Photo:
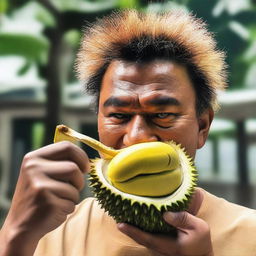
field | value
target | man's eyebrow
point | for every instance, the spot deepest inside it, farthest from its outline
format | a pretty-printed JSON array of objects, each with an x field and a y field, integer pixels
[
  {"x": 158, "y": 101},
  {"x": 116, "y": 102},
  {"x": 164, "y": 101}
]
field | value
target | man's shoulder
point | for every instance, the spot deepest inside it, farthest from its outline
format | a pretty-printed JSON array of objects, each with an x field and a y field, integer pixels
[
  {"x": 216, "y": 208},
  {"x": 231, "y": 225}
]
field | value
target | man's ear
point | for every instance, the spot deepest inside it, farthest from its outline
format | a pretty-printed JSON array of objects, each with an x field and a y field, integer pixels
[{"x": 204, "y": 123}]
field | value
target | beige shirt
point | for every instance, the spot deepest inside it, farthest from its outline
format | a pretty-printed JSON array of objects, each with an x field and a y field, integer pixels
[{"x": 91, "y": 232}]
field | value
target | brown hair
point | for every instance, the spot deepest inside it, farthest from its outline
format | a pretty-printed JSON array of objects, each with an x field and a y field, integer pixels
[{"x": 141, "y": 37}]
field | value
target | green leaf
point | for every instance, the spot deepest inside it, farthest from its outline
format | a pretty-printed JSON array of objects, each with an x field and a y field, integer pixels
[
  {"x": 30, "y": 47},
  {"x": 72, "y": 37},
  {"x": 3, "y": 6},
  {"x": 44, "y": 16},
  {"x": 128, "y": 4}
]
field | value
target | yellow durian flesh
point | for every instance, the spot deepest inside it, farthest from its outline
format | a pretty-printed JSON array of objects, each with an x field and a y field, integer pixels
[
  {"x": 146, "y": 169},
  {"x": 158, "y": 185}
]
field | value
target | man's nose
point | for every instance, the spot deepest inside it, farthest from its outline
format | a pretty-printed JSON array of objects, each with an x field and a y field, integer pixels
[{"x": 138, "y": 130}]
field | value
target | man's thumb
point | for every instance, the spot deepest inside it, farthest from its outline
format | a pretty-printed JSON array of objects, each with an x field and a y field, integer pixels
[{"x": 182, "y": 220}]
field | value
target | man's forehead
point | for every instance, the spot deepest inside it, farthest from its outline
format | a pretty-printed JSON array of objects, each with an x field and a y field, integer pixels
[
  {"x": 157, "y": 75},
  {"x": 156, "y": 83}
]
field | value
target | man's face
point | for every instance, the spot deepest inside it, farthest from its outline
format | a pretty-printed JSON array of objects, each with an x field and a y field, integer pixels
[{"x": 150, "y": 102}]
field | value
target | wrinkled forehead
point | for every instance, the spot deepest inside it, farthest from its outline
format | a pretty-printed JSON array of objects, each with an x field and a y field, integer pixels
[
  {"x": 145, "y": 72},
  {"x": 159, "y": 81}
]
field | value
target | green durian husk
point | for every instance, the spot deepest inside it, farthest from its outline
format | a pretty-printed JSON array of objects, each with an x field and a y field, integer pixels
[{"x": 143, "y": 212}]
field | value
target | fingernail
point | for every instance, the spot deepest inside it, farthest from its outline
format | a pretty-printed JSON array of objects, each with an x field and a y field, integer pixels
[{"x": 121, "y": 226}]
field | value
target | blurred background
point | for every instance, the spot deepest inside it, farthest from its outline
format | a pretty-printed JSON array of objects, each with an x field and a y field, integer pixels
[{"x": 39, "y": 89}]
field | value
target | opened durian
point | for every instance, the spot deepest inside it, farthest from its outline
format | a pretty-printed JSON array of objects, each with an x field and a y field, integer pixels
[{"x": 138, "y": 183}]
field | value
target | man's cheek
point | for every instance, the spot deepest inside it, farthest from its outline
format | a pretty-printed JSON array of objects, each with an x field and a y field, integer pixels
[{"x": 110, "y": 135}]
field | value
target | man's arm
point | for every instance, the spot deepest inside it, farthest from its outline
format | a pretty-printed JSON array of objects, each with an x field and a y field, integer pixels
[
  {"x": 193, "y": 238},
  {"x": 47, "y": 190}
]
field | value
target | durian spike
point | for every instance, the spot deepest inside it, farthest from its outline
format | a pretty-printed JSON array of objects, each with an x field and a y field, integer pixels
[{"x": 62, "y": 132}]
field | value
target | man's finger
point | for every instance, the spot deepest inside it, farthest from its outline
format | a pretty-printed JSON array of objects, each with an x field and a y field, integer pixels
[
  {"x": 155, "y": 242},
  {"x": 69, "y": 172},
  {"x": 65, "y": 171},
  {"x": 196, "y": 201},
  {"x": 63, "y": 151},
  {"x": 60, "y": 189},
  {"x": 181, "y": 220},
  {"x": 184, "y": 221}
]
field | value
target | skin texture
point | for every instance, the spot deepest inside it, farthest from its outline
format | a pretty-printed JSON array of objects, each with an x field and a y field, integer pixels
[{"x": 138, "y": 103}]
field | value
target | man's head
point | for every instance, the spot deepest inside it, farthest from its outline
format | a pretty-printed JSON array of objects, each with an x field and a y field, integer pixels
[{"x": 154, "y": 76}]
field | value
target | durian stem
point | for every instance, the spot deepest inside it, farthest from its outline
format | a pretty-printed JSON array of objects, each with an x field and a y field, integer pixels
[{"x": 63, "y": 132}]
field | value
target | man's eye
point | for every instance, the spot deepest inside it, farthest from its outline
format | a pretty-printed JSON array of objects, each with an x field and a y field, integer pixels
[
  {"x": 164, "y": 120},
  {"x": 163, "y": 115},
  {"x": 119, "y": 115}
]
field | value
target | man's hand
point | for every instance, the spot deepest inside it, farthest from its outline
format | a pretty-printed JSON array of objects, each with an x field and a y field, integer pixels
[
  {"x": 47, "y": 190},
  {"x": 193, "y": 237}
]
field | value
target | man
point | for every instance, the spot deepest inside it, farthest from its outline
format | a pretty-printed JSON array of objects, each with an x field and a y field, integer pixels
[{"x": 155, "y": 79}]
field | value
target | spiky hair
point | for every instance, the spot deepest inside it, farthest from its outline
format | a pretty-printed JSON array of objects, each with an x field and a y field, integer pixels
[{"x": 142, "y": 37}]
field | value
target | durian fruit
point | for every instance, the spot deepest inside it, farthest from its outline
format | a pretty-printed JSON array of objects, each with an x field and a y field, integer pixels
[{"x": 137, "y": 184}]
